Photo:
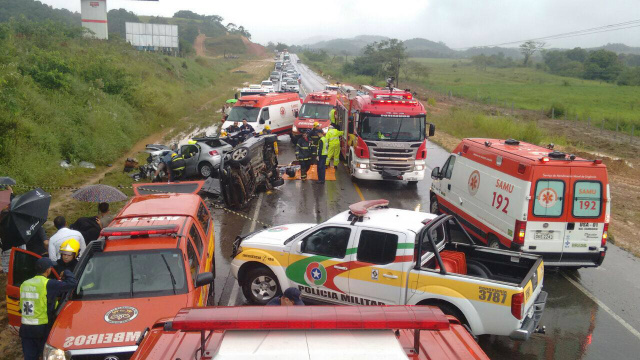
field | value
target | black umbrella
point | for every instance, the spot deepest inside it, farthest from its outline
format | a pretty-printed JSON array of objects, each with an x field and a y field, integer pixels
[
  {"x": 27, "y": 214},
  {"x": 5, "y": 180}
]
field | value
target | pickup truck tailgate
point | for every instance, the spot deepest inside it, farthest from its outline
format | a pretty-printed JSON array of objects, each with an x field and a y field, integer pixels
[{"x": 534, "y": 302}]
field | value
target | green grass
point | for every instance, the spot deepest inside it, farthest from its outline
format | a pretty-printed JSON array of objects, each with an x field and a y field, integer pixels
[
  {"x": 532, "y": 89},
  {"x": 63, "y": 96}
]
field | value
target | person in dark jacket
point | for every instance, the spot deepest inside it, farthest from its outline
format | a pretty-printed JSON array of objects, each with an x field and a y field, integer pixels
[
  {"x": 233, "y": 128},
  {"x": 246, "y": 129},
  {"x": 90, "y": 227},
  {"x": 38, "y": 304},
  {"x": 304, "y": 153},
  {"x": 290, "y": 297}
]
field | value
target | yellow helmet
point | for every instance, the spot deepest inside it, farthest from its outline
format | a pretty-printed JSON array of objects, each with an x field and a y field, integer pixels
[
  {"x": 192, "y": 142},
  {"x": 316, "y": 124},
  {"x": 70, "y": 246},
  {"x": 267, "y": 127}
]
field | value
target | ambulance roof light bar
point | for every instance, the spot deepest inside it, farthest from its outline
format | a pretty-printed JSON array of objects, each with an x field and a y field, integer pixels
[{"x": 140, "y": 230}]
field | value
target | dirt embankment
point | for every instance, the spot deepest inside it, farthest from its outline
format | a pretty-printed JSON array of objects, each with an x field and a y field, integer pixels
[
  {"x": 254, "y": 49},
  {"x": 198, "y": 45}
]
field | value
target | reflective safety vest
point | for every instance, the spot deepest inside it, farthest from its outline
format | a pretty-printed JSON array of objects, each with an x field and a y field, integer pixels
[
  {"x": 334, "y": 136},
  {"x": 33, "y": 301},
  {"x": 323, "y": 149},
  {"x": 332, "y": 116},
  {"x": 177, "y": 162}
]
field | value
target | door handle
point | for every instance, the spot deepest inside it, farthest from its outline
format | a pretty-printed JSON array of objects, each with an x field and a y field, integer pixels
[
  {"x": 340, "y": 267},
  {"x": 389, "y": 276}
]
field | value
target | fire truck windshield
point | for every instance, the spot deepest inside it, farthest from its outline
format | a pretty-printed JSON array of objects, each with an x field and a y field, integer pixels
[
  {"x": 238, "y": 113},
  {"x": 315, "y": 111},
  {"x": 374, "y": 127},
  {"x": 129, "y": 274}
]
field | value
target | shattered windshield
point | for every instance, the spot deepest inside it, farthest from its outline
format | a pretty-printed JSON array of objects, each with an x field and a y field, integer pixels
[
  {"x": 243, "y": 112},
  {"x": 315, "y": 111},
  {"x": 374, "y": 127},
  {"x": 129, "y": 274}
]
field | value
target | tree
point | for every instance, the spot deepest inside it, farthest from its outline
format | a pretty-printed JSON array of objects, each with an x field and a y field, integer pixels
[
  {"x": 117, "y": 20},
  {"x": 281, "y": 47},
  {"x": 602, "y": 65},
  {"x": 529, "y": 48}
]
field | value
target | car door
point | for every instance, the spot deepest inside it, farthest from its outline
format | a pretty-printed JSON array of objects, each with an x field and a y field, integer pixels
[
  {"x": 319, "y": 263},
  {"x": 376, "y": 266},
  {"x": 191, "y": 153},
  {"x": 265, "y": 118},
  {"x": 443, "y": 185},
  {"x": 22, "y": 264},
  {"x": 545, "y": 232}
]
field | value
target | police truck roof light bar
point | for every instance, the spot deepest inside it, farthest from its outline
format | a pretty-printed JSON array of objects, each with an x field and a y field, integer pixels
[
  {"x": 140, "y": 230},
  {"x": 361, "y": 208}
]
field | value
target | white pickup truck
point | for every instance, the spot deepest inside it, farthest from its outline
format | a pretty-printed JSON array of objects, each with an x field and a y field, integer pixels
[{"x": 373, "y": 255}]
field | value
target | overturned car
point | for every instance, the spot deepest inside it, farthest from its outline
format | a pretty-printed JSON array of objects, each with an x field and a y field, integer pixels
[{"x": 250, "y": 167}]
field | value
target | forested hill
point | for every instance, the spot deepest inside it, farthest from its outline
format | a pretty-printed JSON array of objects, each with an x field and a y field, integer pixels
[{"x": 35, "y": 11}]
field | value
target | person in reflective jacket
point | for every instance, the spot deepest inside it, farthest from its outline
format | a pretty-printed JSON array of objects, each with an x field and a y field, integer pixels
[
  {"x": 304, "y": 154},
  {"x": 333, "y": 135}
]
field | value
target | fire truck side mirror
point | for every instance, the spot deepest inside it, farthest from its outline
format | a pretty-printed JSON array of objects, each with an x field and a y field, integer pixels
[
  {"x": 435, "y": 173},
  {"x": 432, "y": 129},
  {"x": 204, "y": 279}
]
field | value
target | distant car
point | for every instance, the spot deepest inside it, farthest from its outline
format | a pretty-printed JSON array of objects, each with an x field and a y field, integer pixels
[
  {"x": 203, "y": 157},
  {"x": 268, "y": 85},
  {"x": 299, "y": 61},
  {"x": 275, "y": 76},
  {"x": 293, "y": 86}
]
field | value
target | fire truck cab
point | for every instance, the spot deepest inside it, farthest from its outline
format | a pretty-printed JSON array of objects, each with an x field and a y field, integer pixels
[
  {"x": 385, "y": 134},
  {"x": 316, "y": 108}
]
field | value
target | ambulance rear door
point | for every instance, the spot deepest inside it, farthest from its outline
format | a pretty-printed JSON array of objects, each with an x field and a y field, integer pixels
[
  {"x": 547, "y": 213},
  {"x": 587, "y": 212}
]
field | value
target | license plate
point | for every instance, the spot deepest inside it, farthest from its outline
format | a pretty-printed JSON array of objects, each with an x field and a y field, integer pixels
[{"x": 543, "y": 236}]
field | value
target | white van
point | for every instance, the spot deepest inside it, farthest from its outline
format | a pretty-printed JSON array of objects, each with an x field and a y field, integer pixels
[
  {"x": 278, "y": 110},
  {"x": 525, "y": 197}
]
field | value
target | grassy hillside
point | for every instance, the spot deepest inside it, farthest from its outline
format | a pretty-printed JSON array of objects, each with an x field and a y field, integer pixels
[
  {"x": 64, "y": 96},
  {"x": 532, "y": 89}
]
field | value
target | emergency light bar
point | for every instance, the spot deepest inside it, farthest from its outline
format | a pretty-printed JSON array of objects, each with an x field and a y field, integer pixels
[
  {"x": 140, "y": 230},
  {"x": 310, "y": 318},
  {"x": 361, "y": 208}
]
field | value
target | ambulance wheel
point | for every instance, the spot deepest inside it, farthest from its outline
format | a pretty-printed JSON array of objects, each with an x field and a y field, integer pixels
[
  {"x": 260, "y": 286},
  {"x": 493, "y": 242},
  {"x": 433, "y": 206}
]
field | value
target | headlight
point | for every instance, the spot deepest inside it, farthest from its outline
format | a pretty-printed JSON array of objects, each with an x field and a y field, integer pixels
[
  {"x": 295, "y": 129},
  {"x": 419, "y": 167},
  {"x": 51, "y": 353},
  {"x": 362, "y": 165}
]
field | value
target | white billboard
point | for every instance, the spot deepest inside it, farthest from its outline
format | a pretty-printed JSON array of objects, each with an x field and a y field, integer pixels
[{"x": 152, "y": 35}]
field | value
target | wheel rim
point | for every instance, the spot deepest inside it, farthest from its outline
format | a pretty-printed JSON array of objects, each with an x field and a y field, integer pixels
[
  {"x": 205, "y": 171},
  {"x": 263, "y": 288},
  {"x": 494, "y": 244},
  {"x": 239, "y": 154},
  {"x": 434, "y": 207}
]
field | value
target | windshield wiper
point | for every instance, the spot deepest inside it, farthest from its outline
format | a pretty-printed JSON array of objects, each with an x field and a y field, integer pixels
[
  {"x": 173, "y": 279},
  {"x": 398, "y": 131}
]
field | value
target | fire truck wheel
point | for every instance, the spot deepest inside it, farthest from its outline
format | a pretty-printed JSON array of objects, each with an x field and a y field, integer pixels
[
  {"x": 433, "y": 207},
  {"x": 493, "y": 242},
  {"x": 260, "y": 286}
]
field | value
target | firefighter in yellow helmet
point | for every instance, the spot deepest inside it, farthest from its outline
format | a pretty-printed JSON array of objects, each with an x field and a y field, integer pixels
[
  {"x": 69, "y": 250},
  {"x": 266, "y": 130}
]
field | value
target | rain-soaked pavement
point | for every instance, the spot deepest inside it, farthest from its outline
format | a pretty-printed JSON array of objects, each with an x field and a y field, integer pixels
[{"x": 590, "y": 313}]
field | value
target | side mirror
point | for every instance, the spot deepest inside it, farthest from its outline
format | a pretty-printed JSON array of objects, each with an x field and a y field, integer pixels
[
  {"x": 300, "y": 247},
  {"x": 261, "y": 120},
  {"x": 295, "y": 113},
  {"x": 435, "y": 173},
  {"x": 204, "y": 279},
  {"x": 432, "y": 129}
]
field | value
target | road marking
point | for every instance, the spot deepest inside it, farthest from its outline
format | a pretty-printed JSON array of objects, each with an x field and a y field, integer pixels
[
  {"x": 358, "y": 191},
  {"x": 255, "y": 213},
  {"x": 604, "y": 307}
]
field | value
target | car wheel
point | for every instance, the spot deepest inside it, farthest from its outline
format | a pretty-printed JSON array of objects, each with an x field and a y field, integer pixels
[
  {"x": 260, "y": 286},
  {"x": 433, "y": 207},
  {"x": 206, "y": 170},
  {"x": 240, "y": 155},
  {"x": 493, "y": 242}
]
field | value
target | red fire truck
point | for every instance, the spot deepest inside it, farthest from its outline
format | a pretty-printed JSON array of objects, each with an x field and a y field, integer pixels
[
  {"x": 385, "y": 134},
  {"x": 316, "y": 108}
]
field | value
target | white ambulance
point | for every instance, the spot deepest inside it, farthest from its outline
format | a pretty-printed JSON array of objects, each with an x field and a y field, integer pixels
[
  {"x": 274, "y": 109},
  {"x": 525, "y": 197}
]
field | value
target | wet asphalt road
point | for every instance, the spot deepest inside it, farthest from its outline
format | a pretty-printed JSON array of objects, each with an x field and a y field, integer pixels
[{"x": 590, "y": 313}]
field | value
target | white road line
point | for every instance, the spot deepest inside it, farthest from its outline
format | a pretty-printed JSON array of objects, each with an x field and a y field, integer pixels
[
  {"x": 256, "y": 212},
  {"x": 604, "y": 307}
]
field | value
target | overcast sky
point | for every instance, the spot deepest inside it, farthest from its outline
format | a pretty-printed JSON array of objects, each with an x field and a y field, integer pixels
[{"x": 458, "y": 23}]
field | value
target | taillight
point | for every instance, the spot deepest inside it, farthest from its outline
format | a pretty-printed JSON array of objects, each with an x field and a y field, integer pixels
[
  {"x": 422, "y": 151},
  {"x": 604, "y": 235},
  {"x": 213, "y": 152},
  {"x": 518, "y": 237},
  {"x": 517, "y": 305},
  {"x": 361, "y": 150}
]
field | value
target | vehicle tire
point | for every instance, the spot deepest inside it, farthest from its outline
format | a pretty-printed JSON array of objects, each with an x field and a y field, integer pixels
[
  {"x": 240, "y": 155},
  {"x": 260, "y": 286},
  {"x": 433, "y": 206},
  {"x": 493, "y": 242},
  {"x": 448, "y": 309},
  {"x": 206, "y": 170}
]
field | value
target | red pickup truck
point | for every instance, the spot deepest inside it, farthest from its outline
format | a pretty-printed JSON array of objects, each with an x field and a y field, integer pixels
[{"x": 309, "y": 332}]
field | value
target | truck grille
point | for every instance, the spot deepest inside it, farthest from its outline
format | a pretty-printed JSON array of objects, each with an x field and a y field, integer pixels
[{"x": 392, "y": 159}]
